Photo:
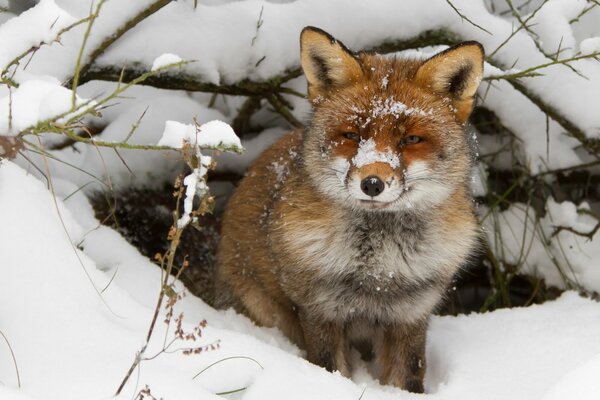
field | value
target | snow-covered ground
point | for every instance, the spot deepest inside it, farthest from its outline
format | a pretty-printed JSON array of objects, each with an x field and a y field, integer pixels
[{"x": 76, "y": 299}]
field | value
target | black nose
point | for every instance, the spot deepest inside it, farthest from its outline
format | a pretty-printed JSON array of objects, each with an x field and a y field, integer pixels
[{"x": 372, "y": 186}]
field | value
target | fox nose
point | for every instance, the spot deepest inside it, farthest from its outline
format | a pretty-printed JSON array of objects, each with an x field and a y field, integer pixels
[{"x": 372, "y": 186}]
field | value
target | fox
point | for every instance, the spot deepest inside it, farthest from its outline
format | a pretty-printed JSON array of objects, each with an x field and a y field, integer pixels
[{"x": 353, "y": 228}]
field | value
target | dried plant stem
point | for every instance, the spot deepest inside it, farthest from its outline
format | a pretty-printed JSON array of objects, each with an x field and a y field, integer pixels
[{"x": 175, "y": 238}]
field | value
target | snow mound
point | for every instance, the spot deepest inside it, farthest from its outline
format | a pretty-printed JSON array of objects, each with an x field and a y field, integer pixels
[
  {"x": 35, "y": 101},
  {"x": 56, "y": 260},
  {"x": 38, "y": 25}
]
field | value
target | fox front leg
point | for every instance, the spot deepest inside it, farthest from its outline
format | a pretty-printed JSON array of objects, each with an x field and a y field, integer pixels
[
  {"x": 325, "y": 343},
  {"x": 401, "y": 355}
]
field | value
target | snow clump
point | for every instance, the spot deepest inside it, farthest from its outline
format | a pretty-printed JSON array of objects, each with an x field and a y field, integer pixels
[
  {"x": 164, "y": 60},
  {"x": 214, "y": 134},
  {"x": 367, "y": 154}
]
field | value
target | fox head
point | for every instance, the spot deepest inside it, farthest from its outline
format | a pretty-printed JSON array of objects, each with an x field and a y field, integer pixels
[{"x": 388, "y": 133}]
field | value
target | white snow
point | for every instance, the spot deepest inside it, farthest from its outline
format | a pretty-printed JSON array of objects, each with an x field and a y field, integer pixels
[
  {"x": 195, "y": 185},
  {"x": 590, "y": 45},
  {"x": 36, "y": 101},
  {"x": 368, "y": 154},
  {"x": 165, "y": 60},
  {"x": 76, "y": 299},
  {"x": 211, "y": 134},
  {"x": 562, "y": 257},
  {"x": 98, "y": 168},
  {"x": 36, "y": 26},
  {"x": 73, "y": 343},
  {"x": 384, "y": 107}
]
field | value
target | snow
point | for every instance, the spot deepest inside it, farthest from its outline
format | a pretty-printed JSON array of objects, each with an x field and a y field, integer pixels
[
  {"x": 212, "y": 134},
  {"x": 541, "y": 350},
  {"x": 97, "y": 168},
  {"x": 384, "y": 107},
  {"x": 581, "y": 383},
  {"x": 218, "y": 133},
  {"x": 563, "y": 258},
  {"x": 380, "y": 108},
  {"x": 35, "y": 101},
  {"x": 228, "y": 55},
  {"x": 39, "y": 25},
  {"x": 277, "y": 38},
  {"x": 195, "y": 185},
  {"x": 368, "y": 154},
  {"x": 590, "y": 45},
  {"x": 76, "y": 299},
  {"x": 551, "y": 24},
  {"x": 165, "y": 60},
  {"x": 548, "y": 349}
]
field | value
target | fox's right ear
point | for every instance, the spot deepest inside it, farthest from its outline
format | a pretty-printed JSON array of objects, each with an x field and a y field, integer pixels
[{"x": 326, "y": 62}]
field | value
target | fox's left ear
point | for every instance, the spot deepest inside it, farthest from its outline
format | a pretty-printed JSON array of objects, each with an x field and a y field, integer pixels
[
  {"x": 326, "y": 62},
  {"x": 454, "y": 73}
]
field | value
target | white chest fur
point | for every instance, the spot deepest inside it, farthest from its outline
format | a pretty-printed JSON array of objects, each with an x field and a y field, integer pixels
[{"x": 382, "y": 269}]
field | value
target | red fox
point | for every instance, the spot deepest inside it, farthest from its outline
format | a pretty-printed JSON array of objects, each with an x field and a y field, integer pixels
[{"x": 353, "y": 228}]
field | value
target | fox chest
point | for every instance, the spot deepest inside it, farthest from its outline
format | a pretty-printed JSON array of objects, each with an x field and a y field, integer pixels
[{"x": 379, "y": 270}]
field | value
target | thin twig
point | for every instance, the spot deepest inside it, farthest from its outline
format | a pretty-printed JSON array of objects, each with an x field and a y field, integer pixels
[
  {"x": 531, "y": 72},
  {"x": 283, "y": 111},
  {"x": 86, "y": 36},
  {"x": 118, "y": 33},
  {"x": 522, "y": 25},
  {"x": 14, "y": 359},
  {"x": 465, "y": 18}
]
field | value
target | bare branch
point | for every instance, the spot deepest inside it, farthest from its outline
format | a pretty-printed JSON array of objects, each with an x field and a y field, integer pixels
[
  {"x": 112, "y": 38},
  {"x": 465, "y": 18}
]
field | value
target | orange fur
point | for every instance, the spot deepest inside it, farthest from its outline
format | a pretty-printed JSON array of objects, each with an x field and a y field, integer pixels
[{"x": 351, "y": 229}]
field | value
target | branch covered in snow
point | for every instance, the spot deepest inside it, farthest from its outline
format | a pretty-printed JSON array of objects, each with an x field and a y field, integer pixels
[
  {"x": 272, "y": 88},
  {"x": 215, "y": 135}
]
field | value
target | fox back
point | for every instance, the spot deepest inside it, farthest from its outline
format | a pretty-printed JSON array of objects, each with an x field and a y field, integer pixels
[{"x": 351, "y": 230}]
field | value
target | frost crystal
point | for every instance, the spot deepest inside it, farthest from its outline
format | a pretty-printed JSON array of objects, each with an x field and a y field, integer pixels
[{"x": 368, "y": 154}]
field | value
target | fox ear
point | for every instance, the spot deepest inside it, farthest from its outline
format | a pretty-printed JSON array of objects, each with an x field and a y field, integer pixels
[
  {"x": 326, "y": 62},
  {"x": 454, "y": 73}
]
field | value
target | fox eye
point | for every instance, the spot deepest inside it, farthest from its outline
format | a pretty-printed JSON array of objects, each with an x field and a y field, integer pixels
[
  {"x": 351, "y": 136},
  {"x": 407, "y": 141}
]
